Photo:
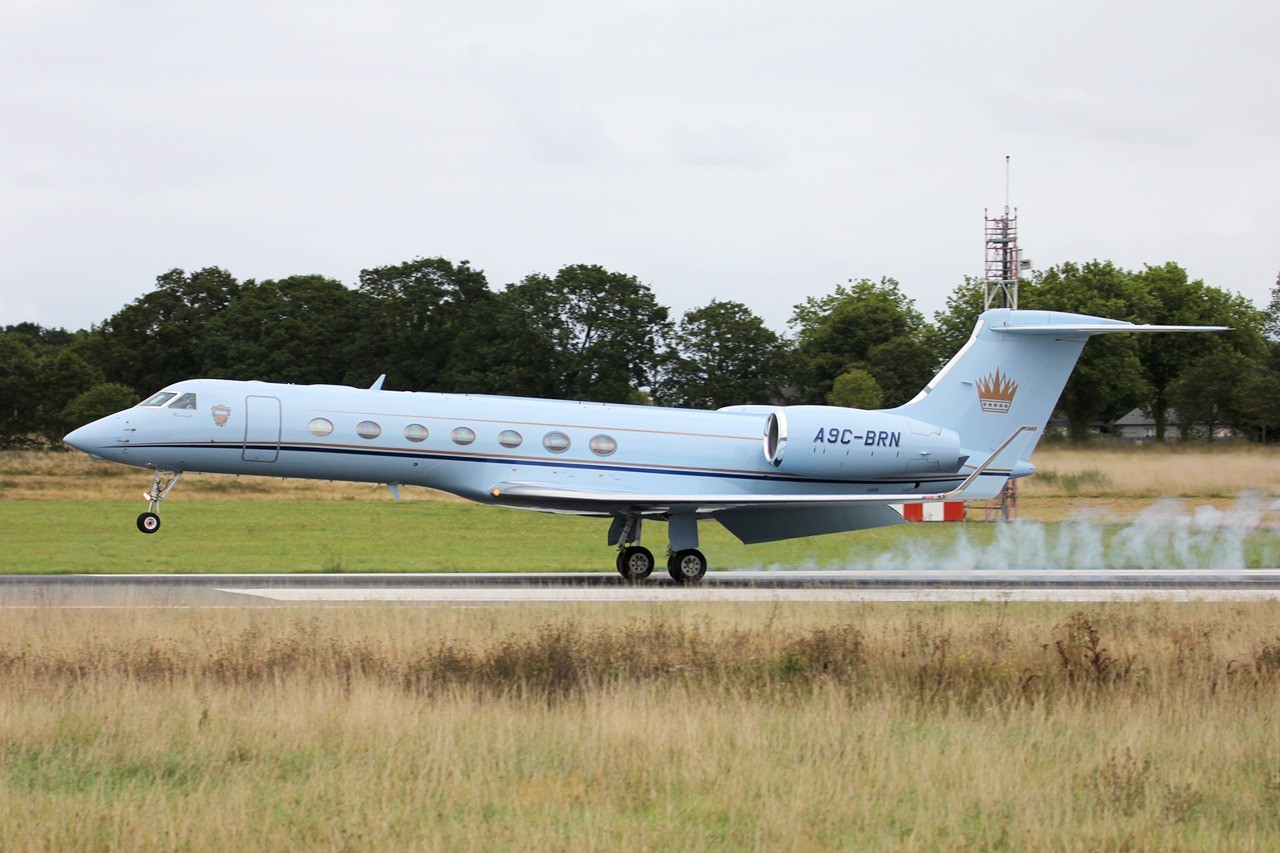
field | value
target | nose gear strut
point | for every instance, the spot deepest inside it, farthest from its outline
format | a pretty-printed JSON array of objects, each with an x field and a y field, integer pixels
[{"x": 149, "y": 521}]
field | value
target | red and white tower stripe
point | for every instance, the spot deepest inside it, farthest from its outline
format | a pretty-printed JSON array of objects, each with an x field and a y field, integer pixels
[{"x": 933, "y": 511}]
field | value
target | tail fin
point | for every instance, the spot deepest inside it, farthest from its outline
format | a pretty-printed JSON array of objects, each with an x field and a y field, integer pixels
[{"x": 1009, "y": 375}]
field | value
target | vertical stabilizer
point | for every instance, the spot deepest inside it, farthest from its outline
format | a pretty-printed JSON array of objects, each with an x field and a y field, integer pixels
[{"x": 1009, "y": 375}]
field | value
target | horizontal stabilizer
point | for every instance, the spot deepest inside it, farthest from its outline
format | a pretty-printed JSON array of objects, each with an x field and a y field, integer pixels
[{"x": 1102, "y": 329}]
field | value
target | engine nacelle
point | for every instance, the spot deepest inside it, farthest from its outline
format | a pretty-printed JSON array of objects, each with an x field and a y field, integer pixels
[{"x": 852, "y": 444}]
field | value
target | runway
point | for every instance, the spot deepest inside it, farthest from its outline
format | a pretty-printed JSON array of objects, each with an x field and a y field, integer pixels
[{"x": 511, "y": 588}]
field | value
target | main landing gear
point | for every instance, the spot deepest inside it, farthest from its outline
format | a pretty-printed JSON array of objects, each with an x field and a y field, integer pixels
[
  {"x": 635, "y": 563},
  {"x": 685, "y": 565},
  {"x": 149, "y": 521}
]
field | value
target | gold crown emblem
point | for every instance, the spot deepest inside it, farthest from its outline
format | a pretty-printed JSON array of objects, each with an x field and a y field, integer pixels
[{"x": 995, "y": 392}]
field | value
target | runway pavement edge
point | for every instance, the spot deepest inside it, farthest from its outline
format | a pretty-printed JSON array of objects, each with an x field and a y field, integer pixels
[{"x": 96, "y": 590}]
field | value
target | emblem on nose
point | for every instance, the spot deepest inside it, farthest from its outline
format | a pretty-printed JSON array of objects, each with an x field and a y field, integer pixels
[{"x": 221, "y": 414}]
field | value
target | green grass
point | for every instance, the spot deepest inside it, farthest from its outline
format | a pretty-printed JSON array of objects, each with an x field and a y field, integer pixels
[
  {"x": 354, "y": 536},
  {"x": 216, "y": 536}
]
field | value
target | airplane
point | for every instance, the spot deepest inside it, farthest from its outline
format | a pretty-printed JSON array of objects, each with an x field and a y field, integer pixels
[{"x": 765, "y": 472}]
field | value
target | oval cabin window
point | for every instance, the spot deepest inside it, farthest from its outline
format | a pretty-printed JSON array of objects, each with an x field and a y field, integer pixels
[
  {"x": 320, "y": 426},
  {"x": 415, "y": 432},
  {"x": 368, "y": 429},
  {"x": 603, "y": 445},
  {"x": 463, "y": 435},
  {"x": 556, "y": 442},
  {"x": 510, "y": 438}
]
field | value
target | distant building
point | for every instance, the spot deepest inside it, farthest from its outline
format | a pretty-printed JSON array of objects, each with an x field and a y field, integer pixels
[
  {"x": 1137, "y": 425},
  {"x": 1059, "y": 427}
]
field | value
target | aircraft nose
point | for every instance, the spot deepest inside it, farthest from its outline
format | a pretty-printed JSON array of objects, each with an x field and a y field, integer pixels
[
  {"x": 90, "y": 438},
  {"x": 78, "y": 438}
]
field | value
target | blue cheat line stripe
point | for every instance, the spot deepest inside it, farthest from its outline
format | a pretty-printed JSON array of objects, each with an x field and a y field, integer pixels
[{"x": 553, "y": 463}]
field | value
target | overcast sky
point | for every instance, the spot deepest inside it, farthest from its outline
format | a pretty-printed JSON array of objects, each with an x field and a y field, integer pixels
[{"x": 762, "y": 152}]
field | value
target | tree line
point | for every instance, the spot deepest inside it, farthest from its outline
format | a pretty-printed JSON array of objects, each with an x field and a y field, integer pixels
[{"x": 589, "y": 333}]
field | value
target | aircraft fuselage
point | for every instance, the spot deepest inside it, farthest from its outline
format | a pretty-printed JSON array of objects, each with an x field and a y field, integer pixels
[{"x": 466, "y": 444}]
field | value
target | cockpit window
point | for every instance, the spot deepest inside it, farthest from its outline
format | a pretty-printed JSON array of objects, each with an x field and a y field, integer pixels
[
  {"x": 159, "y": 399},
  {"x": 186, "y": 401}
]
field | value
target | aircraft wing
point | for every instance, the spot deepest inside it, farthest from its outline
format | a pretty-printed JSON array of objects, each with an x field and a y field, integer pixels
[
  {"x": 560, "y": 499},
  {"x": 540, "y": 496}
]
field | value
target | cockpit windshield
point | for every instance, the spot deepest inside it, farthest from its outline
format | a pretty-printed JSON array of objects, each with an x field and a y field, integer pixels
[
  {"x": 158, "y": 399},
  {"x": 186, "y": 401}
]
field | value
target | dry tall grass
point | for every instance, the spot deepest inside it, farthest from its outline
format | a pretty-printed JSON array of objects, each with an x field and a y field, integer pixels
[
  {"x": 1201, "y": 470},
  {"x": 1023, "y": 726}
]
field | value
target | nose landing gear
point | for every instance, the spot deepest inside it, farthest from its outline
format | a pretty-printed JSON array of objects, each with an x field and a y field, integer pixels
[{"x": 149, "y": 521}]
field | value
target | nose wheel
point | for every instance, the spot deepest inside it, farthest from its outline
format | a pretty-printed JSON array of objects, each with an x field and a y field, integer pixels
[{"x": 149, "y": 521}]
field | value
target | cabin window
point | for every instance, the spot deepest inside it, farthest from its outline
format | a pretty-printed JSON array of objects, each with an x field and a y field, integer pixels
[
  {"x": 158, "y": 399},
  {"x": 320, "y": 426},
  {"x": 463, "y": 435},
  {"x": 556, "y": 442},
  {"x": 415, "y": 432},
  {"x": 603, "y": 445},
  {"x": 510, "y": 438},
  {"x": 186, "y": 401},
  {"x": 368, "y": 429}
]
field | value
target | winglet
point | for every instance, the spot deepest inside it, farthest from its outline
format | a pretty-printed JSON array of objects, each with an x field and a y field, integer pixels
[
  {"x": 991, "y": 460},
  {"x": 377, "y": 383}
]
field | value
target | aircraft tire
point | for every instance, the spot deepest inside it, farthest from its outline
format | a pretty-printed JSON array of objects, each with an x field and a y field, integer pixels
[
  {"x": 635, "y": 563},
  {"x": 148, "y": 522},
  {"x": 687, "y": 567}
]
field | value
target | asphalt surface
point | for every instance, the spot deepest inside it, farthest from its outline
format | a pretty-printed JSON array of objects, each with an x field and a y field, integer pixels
[{"x": 495, "y": 588}]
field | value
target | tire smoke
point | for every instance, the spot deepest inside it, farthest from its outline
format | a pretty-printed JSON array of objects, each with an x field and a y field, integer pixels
[{"x": 1166, "y": 535}]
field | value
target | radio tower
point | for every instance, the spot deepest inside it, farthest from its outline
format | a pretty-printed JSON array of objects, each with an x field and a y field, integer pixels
[
  {"x": 1003, "y": 261},
  {"x": 1004, "y": 265}
]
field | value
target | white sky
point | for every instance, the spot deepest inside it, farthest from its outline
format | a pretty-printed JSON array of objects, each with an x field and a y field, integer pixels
[{"x": 762, "y": 152}]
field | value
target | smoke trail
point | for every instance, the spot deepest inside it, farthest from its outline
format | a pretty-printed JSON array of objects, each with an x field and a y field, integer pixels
[{"x": 1165, "y": 535}]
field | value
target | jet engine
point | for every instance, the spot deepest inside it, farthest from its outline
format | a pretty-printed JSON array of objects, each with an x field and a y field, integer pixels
[{"x": 835, "y": 443}]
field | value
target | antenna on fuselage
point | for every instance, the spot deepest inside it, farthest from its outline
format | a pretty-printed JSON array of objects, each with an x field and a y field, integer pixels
[{"x": 377, "y": 383}]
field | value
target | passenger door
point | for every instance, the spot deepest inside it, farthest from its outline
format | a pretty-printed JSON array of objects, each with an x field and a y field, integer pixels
[{"x": 261, "y": 429}]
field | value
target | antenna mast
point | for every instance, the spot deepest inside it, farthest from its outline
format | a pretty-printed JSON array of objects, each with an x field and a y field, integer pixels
[{"x": 1004, "y": 262}]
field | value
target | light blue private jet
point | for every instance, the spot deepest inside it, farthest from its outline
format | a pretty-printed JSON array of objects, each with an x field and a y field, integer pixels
[{"x": 764, "y": 472}]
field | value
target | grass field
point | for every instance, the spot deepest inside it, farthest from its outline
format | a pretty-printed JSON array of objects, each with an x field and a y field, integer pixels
[
  {"x": 337, "y": 536},
  {"x": 65, "y": 513},
  {"x": 1136, "y": 726}
]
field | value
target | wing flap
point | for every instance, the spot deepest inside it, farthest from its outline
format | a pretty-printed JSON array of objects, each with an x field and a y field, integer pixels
[{"x": 538, "y": 495}]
